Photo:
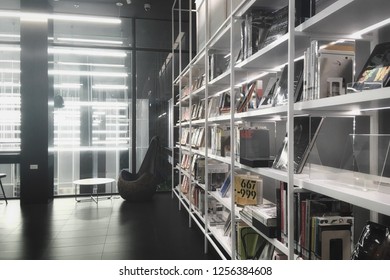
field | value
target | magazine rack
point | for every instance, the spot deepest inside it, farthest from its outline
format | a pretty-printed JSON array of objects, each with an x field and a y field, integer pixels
[{"x": 364, "y": 163}]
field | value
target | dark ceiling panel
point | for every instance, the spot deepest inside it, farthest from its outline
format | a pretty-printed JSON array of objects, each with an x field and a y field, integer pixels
[{"x": 160, "y": 9}]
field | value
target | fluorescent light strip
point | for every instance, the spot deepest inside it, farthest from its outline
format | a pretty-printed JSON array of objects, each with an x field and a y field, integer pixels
[
  {"x": 9, "y": 36},
  {"x": 109, "y": 87},
  {"x": 374, "y": 109},
  {"x": 371, "y": 28},
  {"x": 10, "y": 61},
  {"x": 162, "y": 115},
  {"x": 85, "y": 149},
  {"x": 91, "y": 64},
  {"x": 107, "y": 131},
  {"x": 99, "y": 105},
  {"x": 9, "y": 70},
  {"x": 109, "y": 142},
  {"x": 87, "y": 52},
  {"x": 9, "y": 131},
  {"x": 111, "y": 42},
  {"x": 9, "y": 84},
  {"x": 87, "y": 73},
  {"x": 117, "y": 124},
  {"x": 64, "y": 17},
  {"x": 252, "y": 79},
  {"x": 68, "y": 86},
  {"x": 10, "y": 49}
]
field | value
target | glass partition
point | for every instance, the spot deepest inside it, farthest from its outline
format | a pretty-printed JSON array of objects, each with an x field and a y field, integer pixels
[
  {"x": 10, "y": 104},
  {"x": 91, "y": 117}
]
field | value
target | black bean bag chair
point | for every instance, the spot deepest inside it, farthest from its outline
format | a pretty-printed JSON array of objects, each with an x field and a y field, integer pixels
[{"x": 142, "y": 185}]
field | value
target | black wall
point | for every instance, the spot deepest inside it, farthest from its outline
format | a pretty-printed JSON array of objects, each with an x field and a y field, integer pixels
[{"x": 36, "y": 167}]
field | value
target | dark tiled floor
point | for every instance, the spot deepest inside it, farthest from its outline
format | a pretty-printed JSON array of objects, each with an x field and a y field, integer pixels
[{"x": 114, "y": 229}]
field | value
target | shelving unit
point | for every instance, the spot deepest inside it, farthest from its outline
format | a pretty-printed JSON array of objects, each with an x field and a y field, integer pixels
[{"x": 337, "y": 21}]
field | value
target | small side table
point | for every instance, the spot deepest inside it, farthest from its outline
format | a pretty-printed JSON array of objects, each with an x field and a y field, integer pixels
[
  {"x": 3, "y": 175},
  {"x": 93, "y": 182}
]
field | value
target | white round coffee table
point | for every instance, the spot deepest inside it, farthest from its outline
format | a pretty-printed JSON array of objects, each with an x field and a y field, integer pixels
[{"x": 93, "y": 182}]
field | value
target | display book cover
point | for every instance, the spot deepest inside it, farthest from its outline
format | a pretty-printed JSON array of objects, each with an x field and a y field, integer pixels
[
  {"x": 279, "y": 96},
  {"x": 306, "y": 129},
  {"x": 376, "y": 71}
]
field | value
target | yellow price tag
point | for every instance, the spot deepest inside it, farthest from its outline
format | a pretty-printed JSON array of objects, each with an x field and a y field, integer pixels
[{"x": 247, "y": 190}]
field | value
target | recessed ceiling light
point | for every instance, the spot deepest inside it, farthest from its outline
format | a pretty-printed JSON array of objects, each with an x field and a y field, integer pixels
[
  {"x": 113, "y": 42},
  {"x": 119, "y": 4},
  {"x": 65, "y": 17}
]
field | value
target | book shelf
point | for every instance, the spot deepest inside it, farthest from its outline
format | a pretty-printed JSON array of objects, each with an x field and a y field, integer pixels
[{"x": 335, "y": 22}]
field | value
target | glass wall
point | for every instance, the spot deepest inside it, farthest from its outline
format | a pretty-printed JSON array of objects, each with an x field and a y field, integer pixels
[
  {"x": 10, "y": 104},
  {"x": 92, "y": 92},
  {"x": 91, "y": 68}
]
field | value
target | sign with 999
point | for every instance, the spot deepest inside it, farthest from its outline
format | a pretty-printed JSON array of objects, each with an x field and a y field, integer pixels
[{"x": 248, "y": 190}]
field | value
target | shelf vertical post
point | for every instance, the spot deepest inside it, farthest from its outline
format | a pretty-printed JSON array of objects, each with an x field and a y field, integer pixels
[
  {"x": 290, "y": 128},
  {"x": 206, "y": 131},
  {"x": 173, "y": 98},
  {"x": 180, "y": 96},
  {"x": 232, "y": 137}
]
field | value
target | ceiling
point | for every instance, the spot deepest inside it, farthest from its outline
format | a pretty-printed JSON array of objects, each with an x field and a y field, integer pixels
[{"x": 160, "y": 9}]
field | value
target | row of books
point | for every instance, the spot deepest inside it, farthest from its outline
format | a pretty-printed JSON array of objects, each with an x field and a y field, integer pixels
[
  {"x": 328, "y": 69},
  {"x": 262, "y": 216},
  {"x": 323, "y": 226},
  {"x": 196, "y": 84},
  {"x": 220, "y": 140},
  {"x": 262, "y": 26},
  {"x": 192, "y": 137}
]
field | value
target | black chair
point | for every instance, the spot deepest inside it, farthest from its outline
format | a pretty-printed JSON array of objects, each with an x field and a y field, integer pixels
[
  {"x": 2, "y": 175},
  {"x": 142, "y": 185}
]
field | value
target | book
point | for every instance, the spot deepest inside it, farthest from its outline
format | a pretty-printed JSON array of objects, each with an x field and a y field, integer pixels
[
  {"x": 335, "y": 72},
  {"x": 331, "y": 237},
  {"x": 254, "y": 28},
  {"x": 268, "y": 92},
  {"x": 317, "y": 6},
  {"x": 306, "y": 129},
  {"x": 251, "y": 245},
  {"x": 376, "y": 71},
  {"x": 265, "y": 213},
  {"x": 225, "y": 186},
  {"x": 281, "y": 91},
  {"x": 247, "y": 92},
  {"x": 279, "y": 26},
  {"x": 321, "y": 207}
]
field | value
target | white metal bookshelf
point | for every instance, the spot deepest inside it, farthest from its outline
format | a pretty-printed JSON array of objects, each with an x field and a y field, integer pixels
[{"x": 337, "y": 21}]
